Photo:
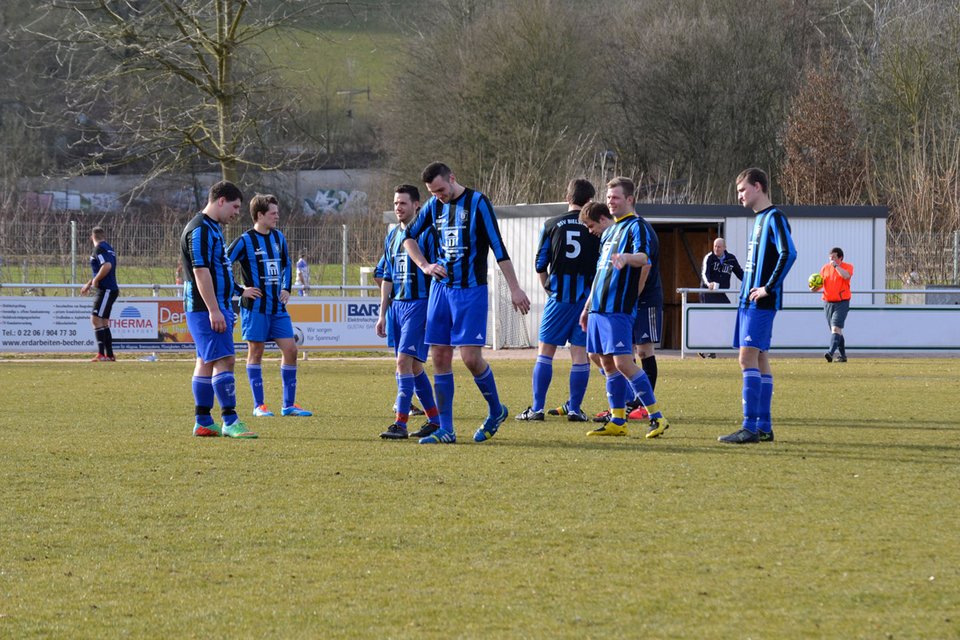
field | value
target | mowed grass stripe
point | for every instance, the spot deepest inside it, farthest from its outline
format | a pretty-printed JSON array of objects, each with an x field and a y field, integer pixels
[{"x": 115, "y": 521}]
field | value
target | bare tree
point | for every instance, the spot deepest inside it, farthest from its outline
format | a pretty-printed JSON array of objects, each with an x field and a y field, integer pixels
[
  {"x": 504, "y": 93},
  {"x": 168, "y": 83},
  {"x": 699, "y": 90},
  {"x": 824, "y": 162}
]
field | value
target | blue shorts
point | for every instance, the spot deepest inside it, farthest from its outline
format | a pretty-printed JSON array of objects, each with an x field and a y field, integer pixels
[
  {"x": 560, "y": 323},
  {"x": 458, "y": 317},
  {"x": 210, "y": 344},
  {"x": 261, "y": 327},
  {"x": 409, "y": 321},
  {"x": 754, "y": 328},
  {"x": 391, "y": 332},
  {"x": 609, "y": 333},
  {"x": 648, "y": 325}
]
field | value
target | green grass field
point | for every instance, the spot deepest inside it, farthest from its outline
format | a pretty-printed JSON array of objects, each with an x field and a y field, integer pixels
[{"x": 115, "y": 522}]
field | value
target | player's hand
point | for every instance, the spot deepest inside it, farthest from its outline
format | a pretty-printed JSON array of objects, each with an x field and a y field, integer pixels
[
  {"x": 284, "y": 296},
  {"x": 711, "y": 285},
  {"x": 251, "y": 293},
  {"x": 758, "y": 292},
  {"x": 583, "y": 318},
  {"x": 618, "y": 260},
  {"x": 217, "y": 322},
  {"x": 520, "y": 301},
  {"x": 435, "y": 270},
  {"x": 381, "y": 327},
  {"x": 84, "y": 289}
]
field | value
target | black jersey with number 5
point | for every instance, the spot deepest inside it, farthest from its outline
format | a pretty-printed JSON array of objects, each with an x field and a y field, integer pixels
[{"x": 569, "y": 252}]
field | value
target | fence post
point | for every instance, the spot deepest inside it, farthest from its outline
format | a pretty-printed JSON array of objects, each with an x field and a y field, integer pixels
[
  {"x": 343, "y": 252},
  {"x": 956, "y": 255},
  {"x": 73, "y": 256}
]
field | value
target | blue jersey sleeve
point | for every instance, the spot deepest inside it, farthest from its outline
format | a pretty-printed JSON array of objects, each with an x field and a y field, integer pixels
[
  {"x": 384, "y": 268},
  {"x": 429, "y": 245},
  {"x": 424, "y": 219},
  {"x": 198, "y": 260},
  {"x": 488, "y": 222},
  {"x": 286, "y": 278},
  {"x": 543, "y": 251},
  {"x": 787, "y": 252}
]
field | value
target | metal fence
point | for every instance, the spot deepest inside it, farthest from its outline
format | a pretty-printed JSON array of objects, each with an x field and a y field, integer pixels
[
  {"x": 148, "y": 250},
  {"x": 54, "y": 249},
  {"x": 923, "y": 258}
]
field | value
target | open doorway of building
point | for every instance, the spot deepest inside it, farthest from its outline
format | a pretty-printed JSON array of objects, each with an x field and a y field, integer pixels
[{"x": 682, "y": 248}]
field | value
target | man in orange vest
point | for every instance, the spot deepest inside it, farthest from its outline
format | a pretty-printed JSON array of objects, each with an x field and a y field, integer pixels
[{"x": 836, "y": 276}]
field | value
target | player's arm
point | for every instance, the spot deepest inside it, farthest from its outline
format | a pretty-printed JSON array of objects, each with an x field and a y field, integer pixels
[
  {"x": 517, "y": 296},
  {"x": 621, "y": 260},
  {"x": 102, "y": 272},
  {"x": 237, "y": 255},
  {"x": 201, "y": 276},
  {"x": 586, "y": 306},
  {"x": 431, "y": 269},
  {"x": 846, "y": 275},
  {"x": 542, "y": 261},
  {"x": 386, "y": 297},
  {"x": 286, "y": 284},
  {"x": 786, "y": 253}
]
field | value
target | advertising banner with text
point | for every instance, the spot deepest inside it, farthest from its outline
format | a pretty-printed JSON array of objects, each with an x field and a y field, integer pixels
[{"x": 36, "y": 324}]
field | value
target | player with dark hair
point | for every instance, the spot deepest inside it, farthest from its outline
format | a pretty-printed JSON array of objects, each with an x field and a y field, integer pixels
[
  {"x": 836, "y": 275},
  {"x": 207, "y": 301},
  {"x": 403, "y": 314},
  {"x": 103, "y": 264},
  {"x": 566, "y": 263},
  {"x": 378, "y": 272},
  {"x": 266, "y": 273},
  {"x": 608, "y": 315},
  {"x": 468, "y": 231},
  {"x": 770, "y": 255}
]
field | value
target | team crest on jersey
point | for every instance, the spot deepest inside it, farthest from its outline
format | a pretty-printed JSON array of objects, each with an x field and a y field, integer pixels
[
  {"x": 463, "y": 215},
  {"x": 276, "y": 247}
]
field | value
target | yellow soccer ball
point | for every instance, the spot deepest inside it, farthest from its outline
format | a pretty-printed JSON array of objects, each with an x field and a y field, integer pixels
[{"x": 815, "y": 281}]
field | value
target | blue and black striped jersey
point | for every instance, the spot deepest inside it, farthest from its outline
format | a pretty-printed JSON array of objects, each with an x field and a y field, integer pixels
[
  {"x": 569, "y": 252},
  {"x": 409, "y": 282},
  {"x": 652, "y": 293},
  {"x": 202, "y": 247},
  {"x": 381, "y": 267},
  {"x": 467, "y": 230},
  {"x": 770, "y": 255},
  {"x": 615, "y": 290},
  {"x": 103, "y": 254},
  {"x": 265, "y": 264}
]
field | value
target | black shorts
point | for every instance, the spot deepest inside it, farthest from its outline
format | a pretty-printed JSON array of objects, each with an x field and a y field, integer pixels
[{"x": 103, "y": 305}]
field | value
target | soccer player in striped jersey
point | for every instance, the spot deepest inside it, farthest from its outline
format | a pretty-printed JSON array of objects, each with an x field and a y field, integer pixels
[
  {"x": 468, "y": 231},
  {"x": 608, "y": 316},
  {"x": 566, "y": 263},
  {"x": 648, "y": 325},
  {"x": 391, "y": 339},
  {"x": 770, "y": 254},
  {"x": 103, "y": 264},
  {"x": 403, "y": 314},
  {"x": 266, "y": 273},
  {"x": 207, "y": 301}
]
